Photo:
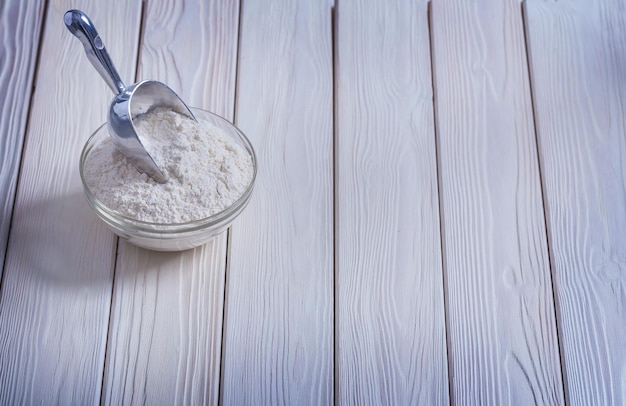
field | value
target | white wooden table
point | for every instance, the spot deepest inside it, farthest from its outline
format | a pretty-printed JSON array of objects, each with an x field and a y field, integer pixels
[{"x": 439, "y": 217}]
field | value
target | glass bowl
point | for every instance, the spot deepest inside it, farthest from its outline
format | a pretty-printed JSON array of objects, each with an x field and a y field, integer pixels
[{"x": 178, "y": 236}]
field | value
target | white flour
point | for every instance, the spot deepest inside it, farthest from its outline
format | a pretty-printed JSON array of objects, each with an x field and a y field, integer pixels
[{"x": 207, "y": 171}]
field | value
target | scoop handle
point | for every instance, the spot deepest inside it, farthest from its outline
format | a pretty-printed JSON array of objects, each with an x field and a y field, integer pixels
[{"x": 81, "y": 26}]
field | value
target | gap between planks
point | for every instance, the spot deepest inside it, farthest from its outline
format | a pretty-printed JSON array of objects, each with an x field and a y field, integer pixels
[
  {"x": 442, "y": 245},
  {"x": 142, "y": 19},
  {"x": 333, "y": 45},
  {"x": 555, "y": 299},
  {"x": 220, "y": 394}
]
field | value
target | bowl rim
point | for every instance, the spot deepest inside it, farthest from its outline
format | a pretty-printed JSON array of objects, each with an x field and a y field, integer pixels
[{"x": 125, "y": 222}]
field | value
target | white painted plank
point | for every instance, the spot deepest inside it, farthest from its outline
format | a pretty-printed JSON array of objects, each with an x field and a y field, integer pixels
[
  {"x": 278, "y": 338},
  {"x": 502, "y": 335},
  {"x": 166, "y": 322},
  {"x": 165, "y": 334},
  {"x": 578, "y": 67},
  {"x": 21, "y": 26},
  {"x": 391, "y": 342},
  {"x": 56, "y": 292}
]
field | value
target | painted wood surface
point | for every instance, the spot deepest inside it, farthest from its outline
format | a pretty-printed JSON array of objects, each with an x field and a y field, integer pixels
[
  {"x": 329, "y": 287},
  {"x": 165, "y": 333},
  {"x": 278, "y": 328},
  {"x": 577, "y": 54},
  {"x": 21, "y": 27},
  {"x": 56, "y": 292},
  {"x": 167, "y": 309},
  {"x": 390, "y": 338},
  {"x": 502, "y": 335}
]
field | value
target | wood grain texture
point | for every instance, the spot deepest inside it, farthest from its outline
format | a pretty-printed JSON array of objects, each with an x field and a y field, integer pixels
[
  {"x": 278, "y": 338},
  {"x": 56, "y": 292},
  {"x": 166, "y": 323},
  {"x": 578, "y": 61},
  {"x": 503, "y": 344},
  {"x": 21, "y": 26},
  {"x": 391, "y": 341},
  {"x": 166, "y": 318}
]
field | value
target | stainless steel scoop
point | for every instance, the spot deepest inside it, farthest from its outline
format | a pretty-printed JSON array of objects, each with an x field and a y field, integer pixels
[{"x": 130, "y": 101}]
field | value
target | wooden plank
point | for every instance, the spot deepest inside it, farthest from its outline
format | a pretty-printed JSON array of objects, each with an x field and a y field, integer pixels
[
  {"x": 166, "y": 322},
  {"x": 21, "y": 23},
  {"x": 165, "y": 335},
  {"x": 278, "y": 338},
  {"x": 56, "y": 292},
  {"x": 391, "y": 341},
  {"x": 577, "y": 53},
  {"x": 502, "y": 335}
]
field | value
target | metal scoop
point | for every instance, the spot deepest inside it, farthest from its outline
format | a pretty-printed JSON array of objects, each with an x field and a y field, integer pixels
[{"x": 130, "y": 101}]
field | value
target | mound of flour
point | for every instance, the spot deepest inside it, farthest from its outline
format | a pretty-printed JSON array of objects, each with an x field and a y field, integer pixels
[{"x": 207, "y": 171}]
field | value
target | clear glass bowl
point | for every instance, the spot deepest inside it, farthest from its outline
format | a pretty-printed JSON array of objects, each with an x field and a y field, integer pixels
[{"x": 170, "y": 237}]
